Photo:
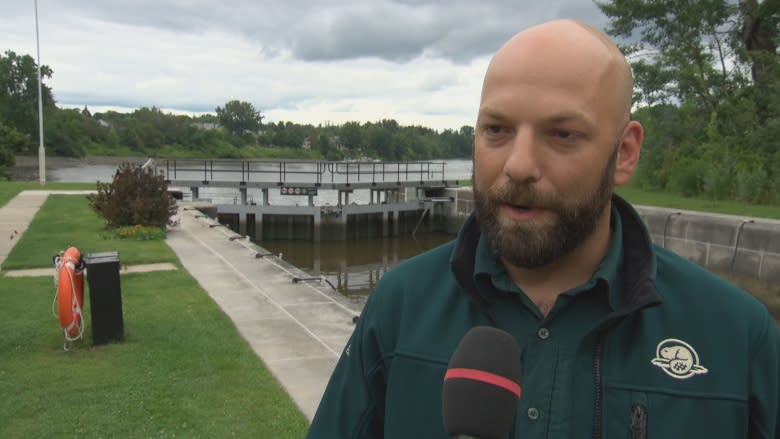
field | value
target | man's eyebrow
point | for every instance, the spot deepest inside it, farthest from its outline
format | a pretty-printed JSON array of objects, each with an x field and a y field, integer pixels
[
  {"x": 487, "y": 112},
  {"x": 562, "y": 117},
  {"x": 576, "y": 117},
  {"x": 569, "y": 116}
]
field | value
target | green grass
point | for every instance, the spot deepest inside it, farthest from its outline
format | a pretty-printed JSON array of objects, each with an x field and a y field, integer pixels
[
  {"x": 664, "y": 199},
  {"x": 67, "y": 220},
  {"x": 183, "y": 371}
]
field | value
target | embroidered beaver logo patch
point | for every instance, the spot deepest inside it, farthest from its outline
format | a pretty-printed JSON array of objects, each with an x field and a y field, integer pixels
[{"x": 678, "y": 359}]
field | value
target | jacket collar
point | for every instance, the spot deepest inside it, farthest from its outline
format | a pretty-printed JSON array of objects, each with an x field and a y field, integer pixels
[{"x": 637, "y": 272}]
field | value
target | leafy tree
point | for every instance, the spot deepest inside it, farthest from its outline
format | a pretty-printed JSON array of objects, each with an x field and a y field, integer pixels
[
  {"x": 19, "y": 94},
  {"x": 683, "y": 48},
  {"x": 68, "y": 132},
  {"x": 711, "y": 68},
  {"x": 351, "y": 136},
  {"x": 292, "y": 135},
  {"x": 760, "y": 38},
  {"x": 323, "y": 144},
  {"x": 239, "y": 116},
  {"x": 379, "y": 140},
  {"x": 11, "y": 140}
]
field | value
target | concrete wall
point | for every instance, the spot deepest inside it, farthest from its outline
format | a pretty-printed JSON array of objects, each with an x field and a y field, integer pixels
[{"x": 722, "y": 243}]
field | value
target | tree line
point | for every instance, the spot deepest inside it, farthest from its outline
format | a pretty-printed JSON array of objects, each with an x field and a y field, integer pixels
[
  {"x": 707, "y": 89},
  {"x": 235, "y": 130}
]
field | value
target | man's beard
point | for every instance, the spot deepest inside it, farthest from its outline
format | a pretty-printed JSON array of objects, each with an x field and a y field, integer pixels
[{"x": 532, "y": 245}]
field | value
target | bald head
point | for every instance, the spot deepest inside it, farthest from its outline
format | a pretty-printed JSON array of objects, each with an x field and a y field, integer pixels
[{"x": 571, "y": 50}]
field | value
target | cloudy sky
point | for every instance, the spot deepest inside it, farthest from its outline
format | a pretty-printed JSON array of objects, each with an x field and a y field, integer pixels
[{"x": 308, "y": 61}]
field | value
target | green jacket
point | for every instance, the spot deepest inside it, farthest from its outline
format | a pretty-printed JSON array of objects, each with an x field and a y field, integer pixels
[{"x": 652, "y": 346}]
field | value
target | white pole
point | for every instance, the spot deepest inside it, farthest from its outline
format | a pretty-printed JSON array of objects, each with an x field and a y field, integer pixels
[{"x": 41, "y": 150}]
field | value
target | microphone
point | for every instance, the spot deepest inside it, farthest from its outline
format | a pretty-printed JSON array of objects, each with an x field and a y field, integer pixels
[{"x": 482, "y": 385}]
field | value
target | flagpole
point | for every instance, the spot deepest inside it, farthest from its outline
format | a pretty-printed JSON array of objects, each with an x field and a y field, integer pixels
[{"x": 41, "y": 149}]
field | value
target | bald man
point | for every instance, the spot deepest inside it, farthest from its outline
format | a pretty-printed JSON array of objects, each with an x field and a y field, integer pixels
[{"x": 619, "y": 338}]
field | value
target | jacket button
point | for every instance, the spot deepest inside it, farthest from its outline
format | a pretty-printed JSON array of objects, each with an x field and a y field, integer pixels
[
  {"x": 533, "y": 413},
  {"x": 543, "y": 333}
]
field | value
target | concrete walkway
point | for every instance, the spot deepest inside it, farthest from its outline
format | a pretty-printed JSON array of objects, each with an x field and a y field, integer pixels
[
  {"x": 298, "y": 329},
  {"x": 15, "y": 216}
]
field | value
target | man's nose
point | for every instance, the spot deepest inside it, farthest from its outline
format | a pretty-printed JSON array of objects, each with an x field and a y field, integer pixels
[{"x": 522, "y": 161}]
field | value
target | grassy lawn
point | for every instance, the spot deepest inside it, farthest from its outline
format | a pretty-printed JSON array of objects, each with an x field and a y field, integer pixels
[
  {"x": 52, "y": 231},
  {"x": 664, "y": 199},
  {"x": 183, "y": 370}
]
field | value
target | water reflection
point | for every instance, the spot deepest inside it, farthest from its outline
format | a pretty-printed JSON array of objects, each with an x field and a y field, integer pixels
[{"x": 354, "y": 266}]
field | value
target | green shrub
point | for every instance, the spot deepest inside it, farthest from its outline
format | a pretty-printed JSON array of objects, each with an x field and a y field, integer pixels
[
  {"x": 752, "y": 185},
  {"x": 718, "y": 182},
  {"x": 136, "y": 196},
  {"x": 775, "y": 190},
  {"x": 687, "y": 176}
]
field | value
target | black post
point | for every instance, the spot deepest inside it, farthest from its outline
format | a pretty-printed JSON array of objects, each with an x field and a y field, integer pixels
[{"x": 105, "y": 297}]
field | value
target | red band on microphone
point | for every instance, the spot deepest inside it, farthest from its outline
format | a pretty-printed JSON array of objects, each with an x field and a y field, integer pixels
[{"x": 485, "y": 377}]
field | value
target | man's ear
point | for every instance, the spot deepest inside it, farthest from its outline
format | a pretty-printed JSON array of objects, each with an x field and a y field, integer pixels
[{"x": 628, "y": 152}]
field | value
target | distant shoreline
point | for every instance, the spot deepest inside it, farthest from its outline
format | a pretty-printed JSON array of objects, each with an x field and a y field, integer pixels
[
  {"x": 26, "y": 167},
  {"x": 71, "y": 162}
]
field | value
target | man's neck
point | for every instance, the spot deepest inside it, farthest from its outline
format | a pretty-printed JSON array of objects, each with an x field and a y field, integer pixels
[{"x": 543, "y": 284}]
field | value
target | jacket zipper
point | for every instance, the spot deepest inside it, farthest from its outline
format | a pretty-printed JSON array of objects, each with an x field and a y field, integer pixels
[
  {"x": 639, "y": 422},
  {"x": 597, "y": 383}
]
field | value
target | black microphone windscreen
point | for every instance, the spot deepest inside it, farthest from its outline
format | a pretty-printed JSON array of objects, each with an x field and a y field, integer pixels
[{"x": 482, "y": 385}]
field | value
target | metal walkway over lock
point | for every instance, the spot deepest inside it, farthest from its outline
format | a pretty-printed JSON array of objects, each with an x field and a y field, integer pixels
[
  {"x": 386, "y": 181},
  {"x": 318, "y": 174}
]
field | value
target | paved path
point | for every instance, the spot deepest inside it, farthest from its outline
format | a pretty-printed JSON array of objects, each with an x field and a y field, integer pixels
[
  {"x": 15, "y": 216},
  {"x": 298, "y": 329}
]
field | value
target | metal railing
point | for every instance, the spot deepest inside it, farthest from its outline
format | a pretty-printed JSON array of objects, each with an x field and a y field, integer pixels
[{"x": 316, "y": 172}]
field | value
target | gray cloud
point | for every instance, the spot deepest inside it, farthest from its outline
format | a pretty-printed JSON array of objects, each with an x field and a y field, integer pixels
[
  {"x": 397, "y": 31},
  {"x": 331, "y": 30}
]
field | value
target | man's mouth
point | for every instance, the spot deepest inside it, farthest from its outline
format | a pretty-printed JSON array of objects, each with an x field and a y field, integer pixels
[
  {"x": 523, "y": 212},
  {"x": 518, "y": 207}
]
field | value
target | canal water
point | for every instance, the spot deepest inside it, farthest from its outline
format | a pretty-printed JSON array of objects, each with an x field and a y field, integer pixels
[{"x": 352, "y": 267}]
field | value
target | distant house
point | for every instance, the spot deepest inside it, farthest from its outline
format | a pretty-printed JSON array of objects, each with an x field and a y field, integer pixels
[
  {"x": 334, "y": 141},
  {"x": 206, "y": 125},
  {"x": 308, "y": 141},
  {"x": 337, "y": 143},
  {"x": 104, "y": 123}
]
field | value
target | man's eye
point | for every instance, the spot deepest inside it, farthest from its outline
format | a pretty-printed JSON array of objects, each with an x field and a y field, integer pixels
[
  {"x": 494, "y": 129},
  {"x": 564, "y": 135}
]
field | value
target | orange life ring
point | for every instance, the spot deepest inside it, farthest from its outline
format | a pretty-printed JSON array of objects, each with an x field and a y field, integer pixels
[{"x": 70, "y": 292}]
